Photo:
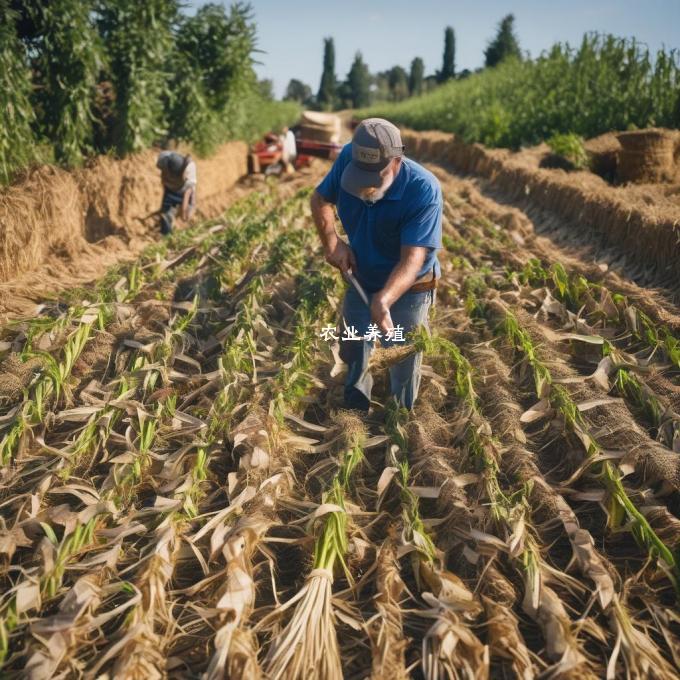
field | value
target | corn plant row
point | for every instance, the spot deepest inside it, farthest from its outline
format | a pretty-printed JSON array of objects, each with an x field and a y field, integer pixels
[
  {"x": 314, "y": 291},
  {"x": 233, "y": 645},
  {"x": 513, "y": 511},
  {"x": 625, "y": 381},
  {"x": 574, "y": 290},
  {"x": 142, "y": 643},
  {"x": 544, "y": 603},
  {"x": 239, "y": 338},
  {"x": 449, "y": 646},
  {"x": 149, "y": 603},
  {"x": 147, "y": 425},
  {"x": 617, "y": 370},
  {"x": 640, "y": 653},
  {"x": 511, "y": 515},
  {"x": 236, "y": 365},
  {"x": 118, "y": 487},
  {"x": 621, "y": 507},
  {"x": 577, "y": 293},
  {"x": 308, "y": 644},
  {"x": 294, "y": 380},
  {"x": 82, "y": 534},
  {"x": 49, "y": 385}
]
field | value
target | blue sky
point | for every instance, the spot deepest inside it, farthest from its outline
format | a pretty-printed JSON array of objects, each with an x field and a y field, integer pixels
[{"x": 390, "y": 32}]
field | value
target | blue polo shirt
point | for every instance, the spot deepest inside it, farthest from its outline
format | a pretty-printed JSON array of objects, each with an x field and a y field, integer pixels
[{"x": 410, "y": 214}]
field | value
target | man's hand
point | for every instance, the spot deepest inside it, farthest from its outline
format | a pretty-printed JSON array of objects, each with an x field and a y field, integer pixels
[
  {"x": 340, "y": 255},
  {"x": 380, "y": 313},
  {"x": 187, "y": 210}
]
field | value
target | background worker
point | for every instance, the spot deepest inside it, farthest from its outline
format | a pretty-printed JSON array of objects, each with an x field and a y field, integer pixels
[
  {"x": 391, "y": 209},
  {"x": 178, "y": 176},
  {"x": 288, "y": 150}
]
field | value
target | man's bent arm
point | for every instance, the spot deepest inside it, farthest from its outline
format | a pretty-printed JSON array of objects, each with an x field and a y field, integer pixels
[
  {"x": 324, "y": 220},
  {"x": 404, "y": 275},
  {"x": 337, "y": 252}
]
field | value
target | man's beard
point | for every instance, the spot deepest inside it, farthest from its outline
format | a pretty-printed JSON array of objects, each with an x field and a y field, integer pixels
[{"x": 379, "y": 193}]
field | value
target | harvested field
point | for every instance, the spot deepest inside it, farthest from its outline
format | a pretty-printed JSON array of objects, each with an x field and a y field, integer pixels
[
  {"x": 633, "y": 229},
  {"x": 66, "y": 228},
  {"x": 182, "y": 495}
]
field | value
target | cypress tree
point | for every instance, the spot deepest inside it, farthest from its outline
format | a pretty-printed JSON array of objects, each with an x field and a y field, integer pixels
[
  {"x": 328, "y": 85},
  {"x": 415, "y": 79},
  {"x": 504, "y": 45},
  {"x": 448, "y": 62},
  {"x": 359, "y": 81}
]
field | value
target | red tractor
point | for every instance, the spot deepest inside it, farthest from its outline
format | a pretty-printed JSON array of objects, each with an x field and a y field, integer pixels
[{"x": 317, "y": 134}]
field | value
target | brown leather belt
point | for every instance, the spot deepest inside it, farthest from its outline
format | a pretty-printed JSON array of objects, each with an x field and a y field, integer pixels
[
  {"x": 426, "y": 282},
  {"x": 423, "y": 286}
]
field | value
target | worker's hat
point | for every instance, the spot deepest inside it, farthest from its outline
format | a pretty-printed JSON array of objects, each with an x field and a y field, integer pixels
[{"x": 375, "y": 143}]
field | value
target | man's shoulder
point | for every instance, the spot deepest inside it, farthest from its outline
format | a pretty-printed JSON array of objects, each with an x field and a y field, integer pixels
[
  {"x": 345, "y": 155},
  {"x": 422, "y": 185}
]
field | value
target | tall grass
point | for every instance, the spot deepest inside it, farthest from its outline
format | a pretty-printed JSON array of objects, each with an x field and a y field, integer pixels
[
  {"x": 138, "y": 37},
  {"x": 69, "y": 58},
  {"x": 17, "y": 143},
  {"x": 608, "y": 83}
]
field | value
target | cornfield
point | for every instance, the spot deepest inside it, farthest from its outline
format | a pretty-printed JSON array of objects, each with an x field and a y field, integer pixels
[
  {"x": 183, "y": 495},
  {"x": 83, "y": 77},
  {"x": 605, "y": 84}
]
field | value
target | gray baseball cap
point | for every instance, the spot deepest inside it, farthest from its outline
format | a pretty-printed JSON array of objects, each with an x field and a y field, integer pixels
[{"x": 375, "y": 143}]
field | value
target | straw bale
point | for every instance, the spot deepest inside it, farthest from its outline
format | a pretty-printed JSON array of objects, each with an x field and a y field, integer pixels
[{"x": 647, "y": 155}]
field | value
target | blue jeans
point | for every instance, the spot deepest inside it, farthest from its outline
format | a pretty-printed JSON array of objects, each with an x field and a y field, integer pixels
[
  {"x": 409, "y": 311},
  {"x": 171, "y": 201}
]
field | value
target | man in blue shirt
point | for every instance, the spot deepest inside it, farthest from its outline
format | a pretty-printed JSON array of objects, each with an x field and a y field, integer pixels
[{"x": 391, "y": 210}]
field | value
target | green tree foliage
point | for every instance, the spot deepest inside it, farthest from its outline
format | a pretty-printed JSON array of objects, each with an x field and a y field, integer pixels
[
  {"x": 504, "y": 45},
  {"x": 415, "y": 78},
  {"x": 68, "y": 59},
  {"x": 359, "y": 82},
  {"x": 398, "y": 81},
  {"x": 380, "y": 87},
  {"x": 99, "y": 75},
  {"x": 328, "y": 85},
  {"x": 607, "y": 83},
  {"x": 17, "y": 141},
  {"x": 448, "y": 70},
  {"x": 213, "y": 74},
  {"x": 138, "y": 37},
  {"x": 265, "y": 87},
  {"x": 297, "y": 91}
]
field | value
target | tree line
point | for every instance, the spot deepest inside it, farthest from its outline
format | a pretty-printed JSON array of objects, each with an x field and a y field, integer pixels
[
  {"x": 361, "y": 88},
  {"x": 81, "y": 77}
]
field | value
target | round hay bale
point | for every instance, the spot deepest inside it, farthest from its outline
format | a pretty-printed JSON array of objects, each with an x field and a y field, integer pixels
[
  {"x": 646, "y": 156},
  {"x": 603, "y": 152}
]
